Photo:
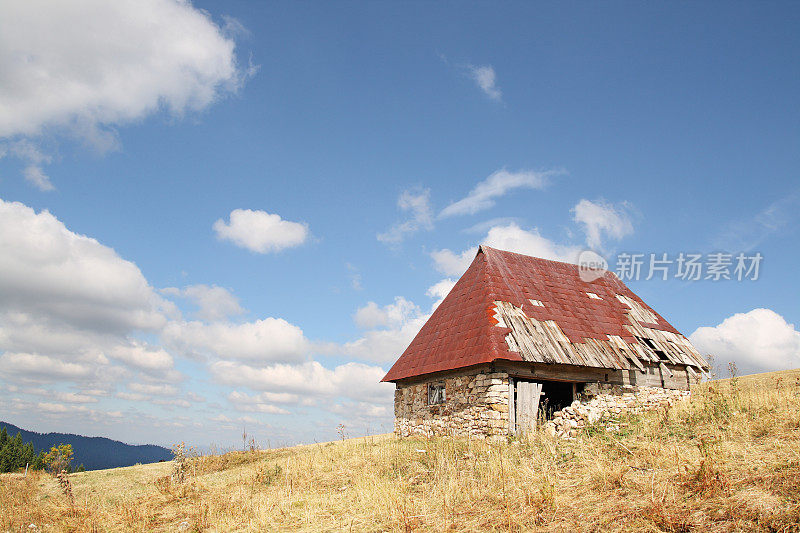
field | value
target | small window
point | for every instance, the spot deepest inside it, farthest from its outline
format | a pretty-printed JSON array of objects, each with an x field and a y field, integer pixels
[{"x": 436, "y": 394}]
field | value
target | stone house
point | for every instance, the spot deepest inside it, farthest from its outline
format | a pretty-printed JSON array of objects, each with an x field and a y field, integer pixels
[{"x": 520, "y": 339}]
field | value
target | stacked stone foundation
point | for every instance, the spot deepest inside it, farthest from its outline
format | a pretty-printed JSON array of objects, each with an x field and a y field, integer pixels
[{"x": 475, "y": 406}]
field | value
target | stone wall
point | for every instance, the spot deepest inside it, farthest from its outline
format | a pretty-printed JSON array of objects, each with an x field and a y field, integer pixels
[
  {"x": 476, "y": 406},
  {"x": 603, "y": 403}
]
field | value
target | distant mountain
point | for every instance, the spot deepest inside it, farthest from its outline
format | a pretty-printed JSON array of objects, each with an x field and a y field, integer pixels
[{"x": 93, "y": 452}]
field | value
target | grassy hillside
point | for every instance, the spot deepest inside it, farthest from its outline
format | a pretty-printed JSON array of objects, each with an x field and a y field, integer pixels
[{"x": 726, "y": 460}]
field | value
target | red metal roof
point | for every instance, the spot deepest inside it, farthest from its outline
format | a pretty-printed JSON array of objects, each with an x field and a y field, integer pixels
[{"x": 461, "y": 331}]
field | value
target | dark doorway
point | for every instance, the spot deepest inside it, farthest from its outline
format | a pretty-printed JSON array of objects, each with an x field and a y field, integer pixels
[
  {"x": 557, "y": 395},
  {"x": 534, "y": 401}
]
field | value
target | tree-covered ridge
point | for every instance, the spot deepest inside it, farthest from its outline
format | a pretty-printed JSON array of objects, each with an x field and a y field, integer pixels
[{"x": 92, "y": 452}]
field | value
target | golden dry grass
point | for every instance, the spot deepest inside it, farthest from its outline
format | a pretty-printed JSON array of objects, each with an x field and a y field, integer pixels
[{"x": 726, "y": 460}]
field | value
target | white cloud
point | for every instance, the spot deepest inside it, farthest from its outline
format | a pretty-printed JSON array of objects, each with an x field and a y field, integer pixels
[
  {"x": 150, "y": 389},
  {"x": 384, "y": 345},
  {"x": 66, "y": 397},
  {"x": 35, "y": 367},
  {"x": 255, "y": 404},
  {"x": 171, "y": 403},
  {"x": 371, "y": 315},
  {"x": 50, "y": 272},
  {"x": 758, "y": 341},
  {"x": 266, "y": 340},
  {"x": 58, "y": 408},
  {"x": 356, "y": 412},
  {"x": 309, "y": 380},
  {"x": 143, "y": 357},
  {"x": 92, "y": 63},
  {"x": 193, "y": 396},
  {"x": 72, "y": 397},
  {"x": 500, "y": 182},
  {"x": 450, "y": 263},
  {"x": 485, "y": 78},
  {"x": 508, "y": 237},
  {"x": 214, "y": 303},
  {"x": 529, "y": 242},
  {"x": 70, "y": 307},
  {"x": 132, "y": 396},
  {"x": 34, "y": 158},
  {"x": 440, "y": 290},
  {"x": 36, "y": 176},
  {"x": 266, "y": 397},
  {"x": 602, "y": 218},
  {"x": 261, "y": 232},
  {"x": 417, "y": 204},
  {"x": 83, "y": 68},
  {"x": 391, "y": 328}
]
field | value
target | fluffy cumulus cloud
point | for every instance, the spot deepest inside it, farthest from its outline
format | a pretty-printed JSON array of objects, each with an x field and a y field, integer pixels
[
  {"x": 74, "y": 316},
  {"x": 486, "y": 80},
  {"x": 69, "y": 305},
  {"x": 31, "y": 367},
  {"x": 265, "y": 340},
  {"x": 508, "y": 237},
  {"x": 142, "y": 356},
  {"x": 601, "y": 219},
  {"x": 757, "y": 341},
  {"x": 372, "y": 315},
  {"x": 452, "y": 263},
  {"x": 310, "y": 379},
  {"x": 416, "y": 203},
  {"x": 484, "y": 195},
  {"x": 48, "y": 271},
  {"x": 83, "y": 68},
  {"x": 71, "y": 311},
  {"x": 513, "y": 238},
  {"x": 213, "y": 303},
  {"x": 388, "y": 330},
  {"x": 91, "y": 63},
  {"x": 261, "y": 232},
  {"x": 260, "y": 403}
]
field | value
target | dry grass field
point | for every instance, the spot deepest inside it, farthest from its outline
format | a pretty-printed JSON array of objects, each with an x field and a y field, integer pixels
[{"x": 728, "y": 459}]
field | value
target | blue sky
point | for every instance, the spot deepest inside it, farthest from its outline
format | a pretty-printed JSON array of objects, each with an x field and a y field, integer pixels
[{"x": 238, "y": 216}]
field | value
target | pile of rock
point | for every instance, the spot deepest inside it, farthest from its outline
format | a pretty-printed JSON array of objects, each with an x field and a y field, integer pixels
[{"x": 605, "y": 405}]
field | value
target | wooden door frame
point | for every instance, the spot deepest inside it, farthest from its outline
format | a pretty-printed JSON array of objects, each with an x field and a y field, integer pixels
[{"x": 513, "y": 424}]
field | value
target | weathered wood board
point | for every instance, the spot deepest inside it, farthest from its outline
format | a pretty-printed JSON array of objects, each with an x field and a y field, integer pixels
[{"x": 527, "y": 405}]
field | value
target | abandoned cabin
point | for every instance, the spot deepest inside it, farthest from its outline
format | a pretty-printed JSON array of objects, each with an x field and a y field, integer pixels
[{"x": 519, "y": 338}]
